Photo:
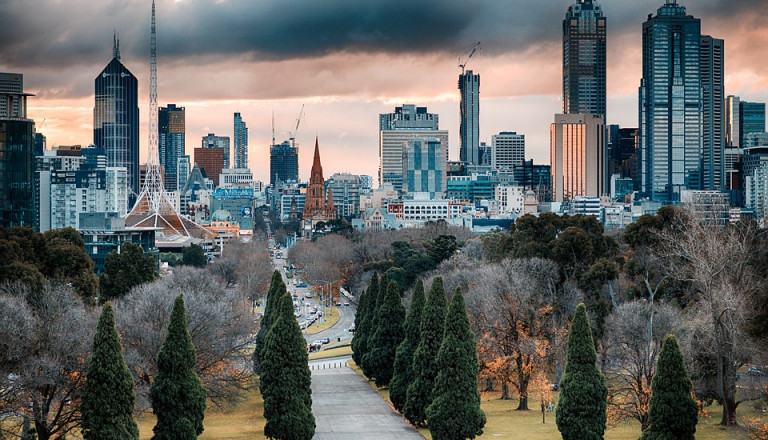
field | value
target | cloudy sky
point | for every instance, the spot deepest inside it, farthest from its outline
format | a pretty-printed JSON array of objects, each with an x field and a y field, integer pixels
[{"x": 346, "y": 61}]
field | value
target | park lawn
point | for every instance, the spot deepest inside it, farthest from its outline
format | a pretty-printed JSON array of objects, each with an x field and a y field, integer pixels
[
  {"x": 344, "y": 350},
  {"x": 246, "y": 421},
  {"x": 331, "y": 318}
]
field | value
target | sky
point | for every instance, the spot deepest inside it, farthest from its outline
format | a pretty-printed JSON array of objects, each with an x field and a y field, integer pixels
[{"x": 346, "y": 61}]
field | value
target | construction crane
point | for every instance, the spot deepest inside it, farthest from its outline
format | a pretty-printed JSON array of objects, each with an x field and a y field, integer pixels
[
  {"x": 471, "y": 52},
  {"x": 292, "y": 137}
]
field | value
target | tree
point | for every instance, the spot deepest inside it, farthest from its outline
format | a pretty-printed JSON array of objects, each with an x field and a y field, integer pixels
[
  {"x": 581, "y": 410},
  {"x": 441, "y": 248},
  {"x": 419, "y": 395},
  {"x": 632, "y": 341},
  {"x": 371, "y": 324},
  {"x": 359, "y": 340},
  {"x": 108, "y": 398},
  {"x": 285, "y": 380},
  {"x": 219, "y": 321},
  {"x": 455, "y": 413},
  {"x": 44, "y": 343},
  {"x": 403, "y": 374},
  {"x": 276, "y": 290},
  {"x": 389, "y": 334},
  {"x": 193, "y": 255},
  {"x": 255, "y": 268},
  {"x": 177, "y": 395},
  {"x": 125, "y": 269},
  {"x": 673, "y": 413}
]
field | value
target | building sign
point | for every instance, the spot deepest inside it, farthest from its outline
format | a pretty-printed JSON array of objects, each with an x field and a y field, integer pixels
[{"x": 233, "y": 193}]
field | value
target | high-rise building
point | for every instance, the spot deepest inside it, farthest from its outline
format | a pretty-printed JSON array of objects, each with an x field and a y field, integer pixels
[
  {"x": 751, "y": 118},
  {"x": 395, "y": 130},
  {"x": 171, "y": 123},
  {"x": 283, "y": 163},
  {"x": 182, "y": 172},
  {"x": 241, "y": 142},
  {"x": 211, "y": 162},
  {"x": 424, "y": 168},
  {"x": 507, "y": 150},
  {"x": 732, "y": 121},
  {"x": 713, "y": 100},
  {"x": 116, "y": 118},
  {"x": 671, "y": 106},
  {"x": 18, "y": 201},
  {"x": 345, "y": 190},
  {"x": 577, "y": 153},
  {"x": 584, "y": 59},
  {"x": 220, "y": 142},
  {"x": 469, "y": 106}
]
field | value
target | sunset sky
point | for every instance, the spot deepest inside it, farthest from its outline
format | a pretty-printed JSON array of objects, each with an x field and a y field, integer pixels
[{"x": 347, "y": 61}]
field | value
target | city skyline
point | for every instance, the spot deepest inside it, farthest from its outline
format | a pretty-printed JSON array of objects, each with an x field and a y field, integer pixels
[{"x": 369, "y": 60}]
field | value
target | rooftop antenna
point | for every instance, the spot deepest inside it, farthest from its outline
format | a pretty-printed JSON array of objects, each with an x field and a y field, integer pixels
[{"x": 115, "y": 45}]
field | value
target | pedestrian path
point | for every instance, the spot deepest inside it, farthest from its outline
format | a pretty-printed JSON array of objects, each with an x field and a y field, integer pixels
[{"x": 347, "y": 408}]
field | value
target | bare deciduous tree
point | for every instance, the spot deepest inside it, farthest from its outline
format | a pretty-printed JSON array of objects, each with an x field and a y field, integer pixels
[{"x": 48, "y": 335}]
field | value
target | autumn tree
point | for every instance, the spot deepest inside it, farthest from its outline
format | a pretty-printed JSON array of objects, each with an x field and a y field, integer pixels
[
  {"x": 634, "y": 334},
  {"x": 108, "y": 398},
  {"x": 455, "y": 413},
  {"x": 285, "y": 380},
  {"x": 124, "y": 270},
  {"x": 431, "y": 329},
  {"x": 581, "y": 411},
  {"x": 403, "y": 374},
  {"x": 673, "y": 413},
  {"x": 177, "y": 395},
  {"x": 388, "y": 335}
]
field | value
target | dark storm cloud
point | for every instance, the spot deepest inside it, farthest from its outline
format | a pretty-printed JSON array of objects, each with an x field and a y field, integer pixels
[{"x": 56, "y": 33}]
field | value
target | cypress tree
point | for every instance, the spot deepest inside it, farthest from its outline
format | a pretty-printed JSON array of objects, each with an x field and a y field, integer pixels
[
  {"x": 404, "y": 356},
  {"x": 285, "y": 380},
  {"x": 177, "y": 395},
  {"x": 673, "y": 413},
  {"x": 431, "y": 329},
  {"x": 372, "y": 323},
  {"x": 273, "y": 294},
  {"x": 389, "y": 334},
  {"x": 583, "y": 391},
  {"x": 108, "y": 397},
  {"x": 455, "y": 412},
  {"x": 358, "y": 340}
]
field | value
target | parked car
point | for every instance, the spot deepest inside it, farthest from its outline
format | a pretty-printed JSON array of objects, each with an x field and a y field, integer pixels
[
  {"x": 352, "y": 328},
  {"x": 325, "y": 340}
]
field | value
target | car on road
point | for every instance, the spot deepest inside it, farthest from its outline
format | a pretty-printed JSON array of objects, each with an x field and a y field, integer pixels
[
  {"x": 352, "y": 328},
  {"x": 346, "y": 304},
  {"x": 303, "y": 325},
  {"x": 302, "y": 284},
  {"x": 325, "y": 340}
]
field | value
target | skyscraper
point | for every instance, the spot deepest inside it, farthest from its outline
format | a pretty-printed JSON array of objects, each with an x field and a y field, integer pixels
[
  {"x": 171, "y": 132},
  {"x": 283, "y": 163},
  {"x": 241, "y": 142},
  {"x": 220, "y": 142},
  {"x": 577, "y": 154},
  {"x": 584, "y": 59},
  {"x": 469, "y": 130},
  {"x": 395, "y": 129},
  {"x": 671, "y": 106},
  {"x": 424, "y": 168},
  {"x": 713, "y": 100},
  {"x": 116, "y": 118},
  {"x": 18, "y": 201},
  {"x": 751, "y": 118},
  {"x": 507, "y": 150}
]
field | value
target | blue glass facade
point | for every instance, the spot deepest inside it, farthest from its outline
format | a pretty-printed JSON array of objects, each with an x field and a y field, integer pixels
[
  {"x": 171, "y": 126},
  {"x": 424, "y": 168},
  {"x": 584, "y": 43}
]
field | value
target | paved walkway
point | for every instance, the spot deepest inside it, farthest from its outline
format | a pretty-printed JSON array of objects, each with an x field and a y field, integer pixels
[{"x": 347, "y": 408}]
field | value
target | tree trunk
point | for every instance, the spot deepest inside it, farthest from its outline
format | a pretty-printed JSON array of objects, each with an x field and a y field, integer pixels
[
  {"x": 729, "y": 412},
  {"x": 488, "y": 384},
  {"x": 523, "y": 403},
  {"x": 543, "y": 414},
  {"x": 42, "y": 431},
  {"x": 505, "y": 391}
]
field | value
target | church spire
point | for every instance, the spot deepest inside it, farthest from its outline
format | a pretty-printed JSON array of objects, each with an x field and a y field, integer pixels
[
  {"x": 115, "y": 45},
  {"x": 316, "y": 166}
]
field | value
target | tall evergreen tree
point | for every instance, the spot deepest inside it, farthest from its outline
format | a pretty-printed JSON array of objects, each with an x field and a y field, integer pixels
[
  {"x": 389, "y": 334},
  {"x": 359, "y": 342},
  {"x": 285, "y": 380},
  {"x": 431, "y": 329},
  {"x": 177, "y": 395},
  {"x": 275, "y": 291},
  {"x": 125, "y": 270},
  {"x": 673, "y": 413},
  {"x": 583, "y": 391},
  {"x": 455, "y": 412},
  {"x": 371, "y": 324},
  {"x": 108, "y": 397},
  {"x": 403, "y": 376}
]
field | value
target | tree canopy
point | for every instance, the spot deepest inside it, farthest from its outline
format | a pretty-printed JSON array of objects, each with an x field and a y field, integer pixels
[{"x": 125, "y": 270}]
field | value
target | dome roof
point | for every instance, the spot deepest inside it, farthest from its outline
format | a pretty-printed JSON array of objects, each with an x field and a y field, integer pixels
[{"x": 221, "y": 215}]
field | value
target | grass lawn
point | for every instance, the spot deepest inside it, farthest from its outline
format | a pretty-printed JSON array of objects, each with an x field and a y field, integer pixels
[
  {"x": 246, "y": 421},
  {"x": 505, "y": 422},
  {"x": 331, "y": 318},
  {"x": 342, "y": 350}
]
